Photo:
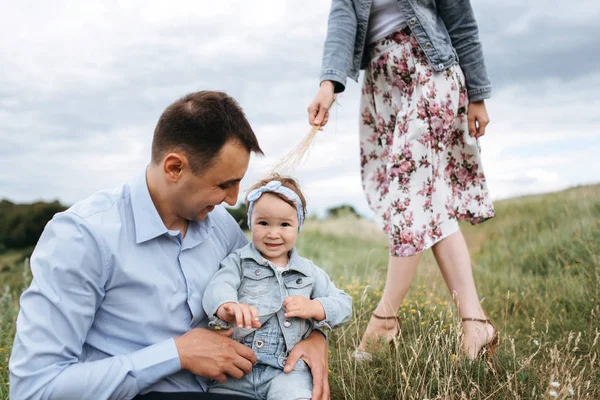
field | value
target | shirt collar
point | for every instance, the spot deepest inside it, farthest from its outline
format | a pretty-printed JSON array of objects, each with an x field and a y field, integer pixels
[
  {"x": 148, "y": 224},
  {"x": 296, "y": 262}
]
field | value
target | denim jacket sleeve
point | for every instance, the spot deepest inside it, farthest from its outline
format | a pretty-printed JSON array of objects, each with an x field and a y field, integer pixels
[
  {"x": 339, "y": 44},
  {"x": 223, "y": 288},
  {"x": 337, "y": 304},
  {"x": 459, "y": 20}
]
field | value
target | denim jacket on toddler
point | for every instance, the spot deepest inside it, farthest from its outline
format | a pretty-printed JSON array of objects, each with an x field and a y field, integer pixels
[{"x": 247, "y": 277}]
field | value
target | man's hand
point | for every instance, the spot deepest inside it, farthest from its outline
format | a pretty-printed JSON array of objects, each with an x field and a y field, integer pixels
[
  {"x": 242, "y": 315},
  {"x": 214, "y": 355},
  {"x": 303, "y": 307},
  {"x": 318, "y": 110},
  {"x": 315, "y": 353},
  {"x": 478, "y": 119}
]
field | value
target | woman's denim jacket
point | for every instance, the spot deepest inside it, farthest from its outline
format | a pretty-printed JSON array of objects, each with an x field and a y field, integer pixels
[
  {"x": 246, "y": 277},
  {"x": 445, "y": 29}
]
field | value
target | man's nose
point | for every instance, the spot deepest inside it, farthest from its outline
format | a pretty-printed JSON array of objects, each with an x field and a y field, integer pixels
[{"x": 231, "y": 195}]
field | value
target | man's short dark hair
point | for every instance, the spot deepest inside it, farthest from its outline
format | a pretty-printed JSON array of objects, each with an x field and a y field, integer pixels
[{"x": 198, "y": 125}]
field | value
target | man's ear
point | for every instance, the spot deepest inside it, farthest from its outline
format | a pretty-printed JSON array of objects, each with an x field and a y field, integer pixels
[{"x": 173, "y": 166}]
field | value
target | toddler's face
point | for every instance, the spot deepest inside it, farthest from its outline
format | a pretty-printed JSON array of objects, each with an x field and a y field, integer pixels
[{"x": 274, "y": 228}]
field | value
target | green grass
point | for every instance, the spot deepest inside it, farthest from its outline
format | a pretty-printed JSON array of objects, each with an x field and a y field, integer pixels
[{"x": 537, "y": 268}]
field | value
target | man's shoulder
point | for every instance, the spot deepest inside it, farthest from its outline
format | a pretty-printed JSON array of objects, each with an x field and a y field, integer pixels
[
  {"x": 102, "y": 206},
  {"x": 223, "y": 221},
  {"x": 220, "y": 215}
]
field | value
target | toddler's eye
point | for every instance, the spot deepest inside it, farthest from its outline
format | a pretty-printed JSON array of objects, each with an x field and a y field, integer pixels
[
  {"x": 285, "y": 224},
  {"x": 263, "y": 223}
]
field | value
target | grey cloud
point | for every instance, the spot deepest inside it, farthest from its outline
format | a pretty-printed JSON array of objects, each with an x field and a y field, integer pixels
[
  {"x": 110, "y": 110},
  {"x": 525, "y": 42}
]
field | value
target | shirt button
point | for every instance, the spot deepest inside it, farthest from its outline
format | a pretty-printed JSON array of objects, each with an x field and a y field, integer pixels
[
  {"x": 413, "y": 21},
  {"x": 287, "y": 323},
  {"x": 257, "y": 272},
  {"x": 298, "y": 281},
  {"x": 259, "y": 344},
  {"x": 441, "y": 66},
  {"x": 428, "y": 45}
]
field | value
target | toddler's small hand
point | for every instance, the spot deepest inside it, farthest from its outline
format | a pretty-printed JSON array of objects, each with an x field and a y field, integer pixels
[
  {"x": 240, "y": 314},
  {"x": 303, "y": 307}
]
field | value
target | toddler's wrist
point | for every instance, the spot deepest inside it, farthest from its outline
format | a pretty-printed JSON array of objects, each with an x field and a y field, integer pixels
[{"x": 319, "y": 310}]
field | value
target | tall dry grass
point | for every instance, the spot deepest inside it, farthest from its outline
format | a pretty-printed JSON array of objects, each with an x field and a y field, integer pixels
[{"x": 537, "y": 268}]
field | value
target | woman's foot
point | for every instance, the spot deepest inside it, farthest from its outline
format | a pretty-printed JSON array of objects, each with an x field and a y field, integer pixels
[
  {"x": 479, "y": 337},
  {"x": 380, "y": 328}
]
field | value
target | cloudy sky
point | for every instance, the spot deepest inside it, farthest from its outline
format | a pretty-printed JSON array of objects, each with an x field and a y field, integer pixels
[{"x": 82, "y": 85}]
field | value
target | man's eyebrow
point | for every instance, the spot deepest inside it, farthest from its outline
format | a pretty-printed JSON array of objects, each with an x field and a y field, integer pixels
[{"x": 229, "y": 182}]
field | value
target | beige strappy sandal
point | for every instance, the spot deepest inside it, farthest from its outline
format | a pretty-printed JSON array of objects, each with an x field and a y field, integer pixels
[
  {"x": 489, "y": 349},
  {"x": 360, "y": 355}
]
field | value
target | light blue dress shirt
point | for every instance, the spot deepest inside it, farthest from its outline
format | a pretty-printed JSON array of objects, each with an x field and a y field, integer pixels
[{"x": 111, "y": 289}]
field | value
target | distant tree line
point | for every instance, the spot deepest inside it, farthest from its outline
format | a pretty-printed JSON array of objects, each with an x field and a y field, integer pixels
[{"x": 22, "y": 224}]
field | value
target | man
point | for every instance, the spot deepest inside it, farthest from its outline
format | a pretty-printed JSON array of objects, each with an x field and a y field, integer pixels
[{"x": 114, "y": 308}]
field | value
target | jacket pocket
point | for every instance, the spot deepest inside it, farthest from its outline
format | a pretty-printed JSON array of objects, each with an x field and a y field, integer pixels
[
  {"x": 300, "y": 286},
  {"x": 255, "y": 281}
]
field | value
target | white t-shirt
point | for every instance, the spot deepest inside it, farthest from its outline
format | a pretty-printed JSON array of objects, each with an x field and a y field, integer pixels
[{"x": 385, "y": 17}]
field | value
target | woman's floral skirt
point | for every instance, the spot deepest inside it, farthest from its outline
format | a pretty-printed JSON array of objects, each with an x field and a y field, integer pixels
[{"x": 421, "y": 170}]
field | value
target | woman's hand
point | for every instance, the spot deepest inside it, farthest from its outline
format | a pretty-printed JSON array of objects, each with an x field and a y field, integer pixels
[
  {"x": 478, "y": 119},
  {"x": 318, "y": 110}
]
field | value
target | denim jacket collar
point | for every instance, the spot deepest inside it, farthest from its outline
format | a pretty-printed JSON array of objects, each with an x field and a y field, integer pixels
[{"x": 296, "y": 263}]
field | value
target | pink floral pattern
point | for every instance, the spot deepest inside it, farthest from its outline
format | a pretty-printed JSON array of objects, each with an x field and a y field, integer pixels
[{"x": 421, "y": 170}]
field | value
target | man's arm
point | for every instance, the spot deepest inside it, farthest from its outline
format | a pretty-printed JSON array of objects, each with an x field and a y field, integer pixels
[{"x": 69, "y": 272}]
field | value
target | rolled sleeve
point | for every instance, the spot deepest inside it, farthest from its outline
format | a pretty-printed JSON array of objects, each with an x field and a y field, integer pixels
[
  {"x": 459, "y": 19},
  {"x": 338, "y": 49}
]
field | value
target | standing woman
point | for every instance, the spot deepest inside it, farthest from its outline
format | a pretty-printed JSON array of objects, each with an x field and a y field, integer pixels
[{"x": 422, "y": 112}]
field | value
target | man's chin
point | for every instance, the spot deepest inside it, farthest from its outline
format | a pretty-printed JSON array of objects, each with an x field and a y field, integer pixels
[{"x": 205, "y": 211}]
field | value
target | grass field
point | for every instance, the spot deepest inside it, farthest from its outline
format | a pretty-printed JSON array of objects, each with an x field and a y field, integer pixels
[{"x": 537, "y": 268}]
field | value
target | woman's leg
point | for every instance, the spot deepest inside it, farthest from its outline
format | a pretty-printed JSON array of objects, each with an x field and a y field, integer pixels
[
  {"x": 400, "y": 273},
  {"x": 453, "y": 258}
]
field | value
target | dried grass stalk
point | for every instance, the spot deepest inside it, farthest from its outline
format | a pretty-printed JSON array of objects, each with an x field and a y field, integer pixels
[{"x": 288, "y": 164}]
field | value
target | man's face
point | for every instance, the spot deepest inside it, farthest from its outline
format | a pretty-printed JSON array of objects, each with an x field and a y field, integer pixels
[
  {"x": 220, "y": 182},
  {"x": 274, "y": 228}
]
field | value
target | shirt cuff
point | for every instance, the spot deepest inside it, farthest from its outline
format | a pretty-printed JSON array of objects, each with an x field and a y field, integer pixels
[{"x": 155, "y": 362}]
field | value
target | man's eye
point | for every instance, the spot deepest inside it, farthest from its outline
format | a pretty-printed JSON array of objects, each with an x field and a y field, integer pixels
[{"x": 225, "y": 186}]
